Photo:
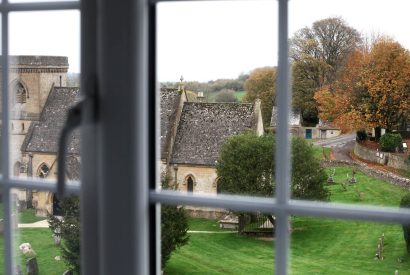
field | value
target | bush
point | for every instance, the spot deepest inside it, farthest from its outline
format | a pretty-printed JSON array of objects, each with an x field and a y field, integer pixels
[
  {"x": 405, "y": 203},
  {"x": 174, "y": 226},
  {"x": 246, "y": 166},
  {"x": 389, "y": 142},
  {"x": 69, "y": 228},
  {"x": 226, "y": 96},
  {"x": 361, "y": 135}
]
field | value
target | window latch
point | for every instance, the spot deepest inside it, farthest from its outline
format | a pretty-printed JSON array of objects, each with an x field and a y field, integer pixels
[{"x": 75, "y": 117}]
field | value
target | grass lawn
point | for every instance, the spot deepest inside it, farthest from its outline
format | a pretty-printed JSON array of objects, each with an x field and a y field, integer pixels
[
  {"x": 318, "y": 246},
  {"x": 320, "y": 152},
  {"x": 43, "y": 244},
  {"x": 239, "y": 95},
  {"x": 26, "y": 216},
  {"x": 210, "y": 96}
]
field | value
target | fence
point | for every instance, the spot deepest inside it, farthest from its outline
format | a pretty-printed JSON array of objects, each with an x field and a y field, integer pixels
[{"x": 256, "y": 224}]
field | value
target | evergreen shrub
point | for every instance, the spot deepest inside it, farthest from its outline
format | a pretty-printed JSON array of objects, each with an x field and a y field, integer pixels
[
  {"x": 389, "y": 142},
  {"x": 405, "y": 203},
  {"x": 361, "y": 135}
]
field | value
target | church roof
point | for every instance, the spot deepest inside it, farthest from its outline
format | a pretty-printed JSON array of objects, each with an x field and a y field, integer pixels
[
  {"x": 327, "y": 125},
  {"x": 294, "y": 118},
  {"x": 42, "y": 136},
  {"x": 38, "y": 61},
  {"x": 169, "y": 100},
  {"x": 204, "y": 127}
]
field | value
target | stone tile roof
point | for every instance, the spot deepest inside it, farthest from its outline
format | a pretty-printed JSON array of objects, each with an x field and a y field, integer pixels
[
  {"x": 204, "y": 127},
  {"x": 72, "y": 168},
  {"x": 169, "y": 101},
  {"x": 38, "y": 61},
  {"x": 294, "y": 118},
  {"x": 327, "y": 125},
  {"x": 43, "y": 136}
]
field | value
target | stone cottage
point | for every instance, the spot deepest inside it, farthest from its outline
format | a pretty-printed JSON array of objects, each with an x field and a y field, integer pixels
[{"x": 322, "y": 130}]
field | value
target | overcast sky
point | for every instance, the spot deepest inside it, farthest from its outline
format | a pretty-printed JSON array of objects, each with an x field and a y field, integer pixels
[{"x": 210, "y": 40}]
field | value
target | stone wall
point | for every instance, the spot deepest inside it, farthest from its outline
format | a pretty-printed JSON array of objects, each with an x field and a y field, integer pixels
[
  {"x": 385, "y": 176},
  {"x": 397, "y": 161},
  {"x": 204, "y": 178}
]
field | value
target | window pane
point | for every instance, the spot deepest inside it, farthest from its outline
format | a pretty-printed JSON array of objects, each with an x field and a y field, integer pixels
[
  {"x": 44, "y": 84},
  {"x": 327, "y": 246},
  {"x": 45, "y": 234},
  {"x": 214, "y": 245},
  {"x": 216, "y": 46},
  {"x": 349, "y": 82}
]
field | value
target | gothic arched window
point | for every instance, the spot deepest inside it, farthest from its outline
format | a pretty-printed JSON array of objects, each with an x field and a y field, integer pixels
[
  {"x": 43, "y": 171},
  {"x": 190, "y": 184},
  {"x": 20, "y": 94}
]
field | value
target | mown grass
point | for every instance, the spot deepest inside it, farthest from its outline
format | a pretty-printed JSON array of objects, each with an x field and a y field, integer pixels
[
  {"x": 25, "y": 216},
  {"x": 318, "y": 246},
  {"x": 321, "y": 152},
  {"x": 210, "y": 96},
  {"x": 42, "y": 242}
]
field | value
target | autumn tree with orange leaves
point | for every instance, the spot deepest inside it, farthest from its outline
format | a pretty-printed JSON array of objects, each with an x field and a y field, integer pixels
[{"x": 374, "y": 89}]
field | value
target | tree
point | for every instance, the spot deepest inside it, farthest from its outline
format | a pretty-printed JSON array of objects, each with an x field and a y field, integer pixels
[
  {"x": 386, "y": 79},
  {"x": 226, "y": 95},
  {"x": 246, "y": 166},
  {"x": 405, "y": 203},
  {"x": 329, "y": 40},
  {"x": 69, "y": 228},
  {"x": 373, "y": 90},
  {"x": 319, "y": 54},
  {"x": 174, "y": 227},
  {"x": 261, "y": 84},
  {"x": 307, "y": 77}
]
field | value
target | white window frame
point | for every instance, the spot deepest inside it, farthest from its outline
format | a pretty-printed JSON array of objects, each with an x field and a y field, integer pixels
[{"x": 119, "y": 196}]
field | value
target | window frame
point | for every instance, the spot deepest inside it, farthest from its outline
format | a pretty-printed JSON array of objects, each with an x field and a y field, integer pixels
[{"x": 129, "y": 185}]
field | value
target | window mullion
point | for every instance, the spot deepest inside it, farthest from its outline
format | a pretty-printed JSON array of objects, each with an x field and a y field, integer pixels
[
  {"x": 122, "y": 133},
  {"x": 90, "y": 218},
  {"x": 5, "y": 147},
  {"x": 282, "y": 175}
]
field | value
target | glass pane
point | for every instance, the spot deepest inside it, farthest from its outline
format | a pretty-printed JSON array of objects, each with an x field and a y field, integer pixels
[
  {"x": 44, "y": 84},
  {"x": 219, "y": 45},
  {"x": 349, "y": 84},
  {"x": 46, "y": 234},
  {"x": 212, "y": 243},
  {"x": 327, "y": 246}
]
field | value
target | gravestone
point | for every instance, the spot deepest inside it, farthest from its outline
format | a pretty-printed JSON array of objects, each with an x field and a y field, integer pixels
[
  {"x": 18, "y": 270},
  {"x": 32, "y": 267}
]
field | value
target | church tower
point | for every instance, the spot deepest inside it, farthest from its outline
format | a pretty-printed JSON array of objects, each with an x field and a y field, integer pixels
[{"x": 31, "y": 78}]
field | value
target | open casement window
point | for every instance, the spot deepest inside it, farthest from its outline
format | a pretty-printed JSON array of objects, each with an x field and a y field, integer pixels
[{"x": 119, "y": 191}]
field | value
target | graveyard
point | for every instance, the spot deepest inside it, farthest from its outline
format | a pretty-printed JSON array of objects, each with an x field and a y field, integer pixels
[{"x": 318, "y": 246}]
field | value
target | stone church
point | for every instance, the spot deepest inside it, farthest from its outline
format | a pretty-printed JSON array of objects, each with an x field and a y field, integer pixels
[
  {"x": 192, "y": 132},
  {"x": 39, "y": 99}
]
